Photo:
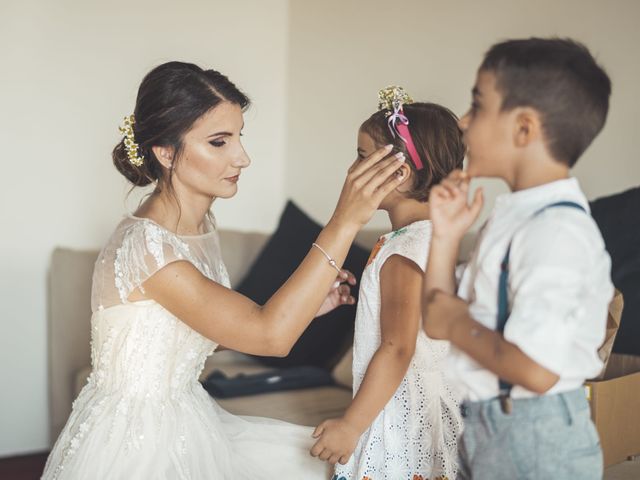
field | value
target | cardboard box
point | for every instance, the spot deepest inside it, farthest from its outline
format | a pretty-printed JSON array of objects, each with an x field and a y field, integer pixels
[{"x": 615, "y": 408}]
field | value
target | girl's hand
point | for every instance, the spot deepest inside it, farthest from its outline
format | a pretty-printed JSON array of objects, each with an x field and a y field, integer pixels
[
  {"x": 340, "y": 293},
  {"x": 337, "y": 439},
  {"x": 451, "y": 214},
  {"x": 368, "y": 182},
  {"x": 443, "y": 311}
]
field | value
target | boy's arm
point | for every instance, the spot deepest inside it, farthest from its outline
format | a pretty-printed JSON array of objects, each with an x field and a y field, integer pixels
[
  {"x": 451, "y": 216},
  {"x": 440, "y": 274},
  {"x": 451, "y": 320},
  {"x": 400, "y": 287}
]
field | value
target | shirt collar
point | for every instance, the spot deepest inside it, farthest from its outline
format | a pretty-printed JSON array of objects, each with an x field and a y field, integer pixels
[{"x": 536, "y": 197}]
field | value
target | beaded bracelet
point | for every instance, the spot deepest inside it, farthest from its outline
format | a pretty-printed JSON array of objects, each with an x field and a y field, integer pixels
[{"x": 332, "y": 262}]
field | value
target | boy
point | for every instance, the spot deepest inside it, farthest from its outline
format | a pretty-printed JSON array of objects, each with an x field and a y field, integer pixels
[{"x": 533, "y": 300}]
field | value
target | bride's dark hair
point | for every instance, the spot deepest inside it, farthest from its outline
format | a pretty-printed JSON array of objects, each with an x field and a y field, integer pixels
[{"x": 170, "y": 99}]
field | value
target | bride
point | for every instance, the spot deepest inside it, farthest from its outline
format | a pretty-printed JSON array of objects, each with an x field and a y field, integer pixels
[{"x": 161, "y": 300}]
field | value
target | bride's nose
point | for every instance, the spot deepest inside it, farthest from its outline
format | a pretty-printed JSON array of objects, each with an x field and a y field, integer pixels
[{"x": 241, "y": 160}]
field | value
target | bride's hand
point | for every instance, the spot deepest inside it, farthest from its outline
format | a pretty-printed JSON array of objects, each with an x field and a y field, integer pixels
[
  {"x": 368, "y": 182},
  {"x": 340, "y": 293}
]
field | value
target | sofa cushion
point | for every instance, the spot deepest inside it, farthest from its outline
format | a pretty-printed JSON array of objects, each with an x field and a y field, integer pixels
[
  {"x": 617, "y": 218},
  {"x": 343, "y": 372},
  {"x": 326, "y": 338},
  {"x": 239, "y": 251}
]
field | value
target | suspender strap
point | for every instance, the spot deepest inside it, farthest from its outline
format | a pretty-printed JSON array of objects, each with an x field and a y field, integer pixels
[{"x": 503, "y": 299}]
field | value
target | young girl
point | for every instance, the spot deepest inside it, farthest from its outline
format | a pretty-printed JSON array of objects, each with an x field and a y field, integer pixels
[
  {"x": 403, "y": 422},
  {"x": 161, "y": 300}
]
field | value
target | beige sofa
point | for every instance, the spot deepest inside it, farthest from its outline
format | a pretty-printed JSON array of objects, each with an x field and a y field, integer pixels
[{"x": 69, "y": 331}]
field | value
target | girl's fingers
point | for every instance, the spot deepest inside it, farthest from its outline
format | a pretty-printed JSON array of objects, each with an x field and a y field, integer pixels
[
  {"x": 359, "y": 167},
  {"x": 333, "y": 459},
  {"x": 318, "y": 431},
  {"x": 344, "y": 459},
  {"x": 316, "y": 449},
  {"x": 325, "y": 454}
]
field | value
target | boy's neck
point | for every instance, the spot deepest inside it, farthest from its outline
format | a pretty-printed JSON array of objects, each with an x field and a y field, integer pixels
[
  {"x": 533, "y": 172},
  {"x": 406, "y": 212}
]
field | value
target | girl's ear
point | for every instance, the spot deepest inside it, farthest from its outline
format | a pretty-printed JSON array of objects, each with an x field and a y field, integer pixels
[
  {"x": 404, "y": 171},
  {"x": 164, "y": 156}
]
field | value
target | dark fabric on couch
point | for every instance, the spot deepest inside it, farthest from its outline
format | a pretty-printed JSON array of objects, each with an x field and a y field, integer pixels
[
  {"x": 618, "y": 217},
  {"x": 327, "y": 337}
]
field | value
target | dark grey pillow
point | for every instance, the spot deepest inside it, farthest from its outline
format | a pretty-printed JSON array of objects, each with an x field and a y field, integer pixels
[
  {"x": 327, "y": 337},
  {"x": 617, "y": 218}
]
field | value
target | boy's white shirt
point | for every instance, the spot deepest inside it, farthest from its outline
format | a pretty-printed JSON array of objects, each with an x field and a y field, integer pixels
[{"x": 559, "y": 287}]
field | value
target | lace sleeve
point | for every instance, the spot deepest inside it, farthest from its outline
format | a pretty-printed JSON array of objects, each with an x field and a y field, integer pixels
[{"x": 145, "y": 249}]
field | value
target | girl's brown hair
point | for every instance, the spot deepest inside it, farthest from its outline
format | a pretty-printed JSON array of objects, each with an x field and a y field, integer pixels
[{"x": 437, "y": 138}]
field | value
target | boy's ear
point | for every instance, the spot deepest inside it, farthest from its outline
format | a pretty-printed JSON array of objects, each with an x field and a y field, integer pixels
[
  {"x": 528, "y": 127},
  {"x": 404, "y": 171},
  {"x": 164, "y": 156}
]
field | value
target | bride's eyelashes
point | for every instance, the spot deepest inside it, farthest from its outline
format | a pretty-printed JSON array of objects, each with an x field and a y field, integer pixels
[{"x": 220, "y": 142}]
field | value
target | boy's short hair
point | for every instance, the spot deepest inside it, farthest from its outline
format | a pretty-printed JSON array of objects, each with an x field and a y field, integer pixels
[{"x": 562, "y": 81}]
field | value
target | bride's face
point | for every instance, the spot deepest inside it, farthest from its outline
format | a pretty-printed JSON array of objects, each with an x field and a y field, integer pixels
[{"x": 213, "y": 155}]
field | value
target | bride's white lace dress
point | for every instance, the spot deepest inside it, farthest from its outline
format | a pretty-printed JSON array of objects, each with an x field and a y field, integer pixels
[{"x": 143, "y": 414}]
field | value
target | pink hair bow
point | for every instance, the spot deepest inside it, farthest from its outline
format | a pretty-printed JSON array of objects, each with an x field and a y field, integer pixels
[{"x": 399, "y": 125}]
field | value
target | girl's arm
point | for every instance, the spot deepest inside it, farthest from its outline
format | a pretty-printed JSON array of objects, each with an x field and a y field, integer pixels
[
  {"x": 400, "y": 287},
  {"x": 233, "y": 320}
]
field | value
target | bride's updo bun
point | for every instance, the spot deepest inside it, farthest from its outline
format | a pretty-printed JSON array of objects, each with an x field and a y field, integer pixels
[{"x": 170, "y": 99}]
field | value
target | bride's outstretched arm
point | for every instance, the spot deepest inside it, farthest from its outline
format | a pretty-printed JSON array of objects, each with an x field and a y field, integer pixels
[{"x": 238, "y": 323}]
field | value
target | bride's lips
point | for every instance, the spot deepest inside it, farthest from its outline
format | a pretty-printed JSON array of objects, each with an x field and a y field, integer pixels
[{"x": 233, "y": 179}]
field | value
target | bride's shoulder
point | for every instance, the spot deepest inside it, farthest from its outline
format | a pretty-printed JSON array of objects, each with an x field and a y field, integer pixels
[{"x": 143, "y": 234}]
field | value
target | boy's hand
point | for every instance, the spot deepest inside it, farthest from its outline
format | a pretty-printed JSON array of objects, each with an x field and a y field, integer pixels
[
  {"x": 337, "y": 439},
  {"x": 451, "y": 213},
  {"x": 442, "y": 313}
]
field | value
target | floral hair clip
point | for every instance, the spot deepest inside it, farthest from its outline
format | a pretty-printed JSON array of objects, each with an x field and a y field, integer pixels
[
  {"x": 392, "y": 99},
  {"x": 129, "y": 141}
]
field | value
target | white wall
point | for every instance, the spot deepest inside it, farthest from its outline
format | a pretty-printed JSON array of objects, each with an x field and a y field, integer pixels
[
  {"x": 70, "y": 71},
  {"x": 342, "y": 53}
]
